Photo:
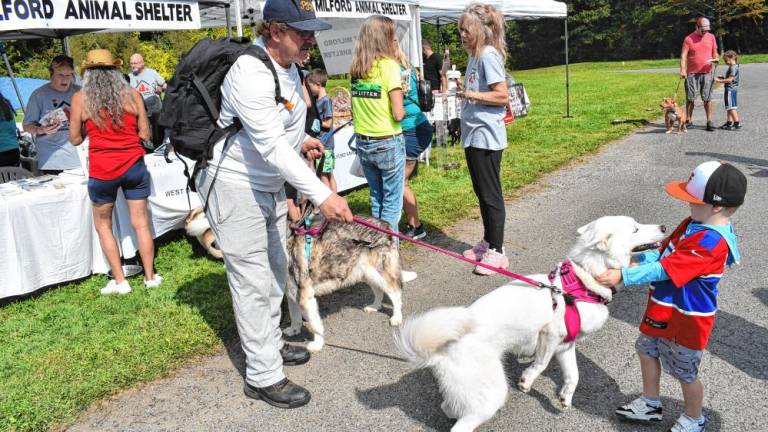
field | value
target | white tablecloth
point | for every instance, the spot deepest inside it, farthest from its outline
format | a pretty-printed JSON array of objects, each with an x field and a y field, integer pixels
[
  {"x": 47, "y": 235},
  {"x": 168, "y": 204}
]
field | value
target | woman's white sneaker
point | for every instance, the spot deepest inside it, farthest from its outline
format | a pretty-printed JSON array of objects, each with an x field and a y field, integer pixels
[
  {"x": 639, "y": 410},
  {"x": 116, "y": 288},
  {"x": 154, "y": 283}
]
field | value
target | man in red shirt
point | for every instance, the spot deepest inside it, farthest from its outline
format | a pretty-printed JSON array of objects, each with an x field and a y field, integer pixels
[{"x": 698, "y": 54}]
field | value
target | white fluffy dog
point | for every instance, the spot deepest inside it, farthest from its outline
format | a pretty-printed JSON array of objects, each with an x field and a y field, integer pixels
[{"x": 464, "y": 346}]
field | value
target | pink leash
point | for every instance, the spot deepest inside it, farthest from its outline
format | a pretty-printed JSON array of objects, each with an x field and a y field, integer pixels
[{"x": 502, "y": 271}]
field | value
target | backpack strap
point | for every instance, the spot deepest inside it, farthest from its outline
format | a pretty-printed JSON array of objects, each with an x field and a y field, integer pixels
[{"x": 259, "y": 53}]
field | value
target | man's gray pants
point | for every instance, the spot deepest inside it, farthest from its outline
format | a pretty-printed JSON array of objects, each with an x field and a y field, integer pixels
[{"x": 250, "y": 229}]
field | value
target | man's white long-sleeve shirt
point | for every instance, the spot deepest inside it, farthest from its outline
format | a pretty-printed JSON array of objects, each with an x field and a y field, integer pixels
[{"x": 265, "y": 153}]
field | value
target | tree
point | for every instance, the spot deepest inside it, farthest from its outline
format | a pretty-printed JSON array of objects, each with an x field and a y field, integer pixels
[{"x": 721, "y": 11}]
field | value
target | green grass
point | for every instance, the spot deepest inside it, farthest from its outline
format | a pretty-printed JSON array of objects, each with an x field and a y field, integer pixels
[{"x": 69, "y": 347}]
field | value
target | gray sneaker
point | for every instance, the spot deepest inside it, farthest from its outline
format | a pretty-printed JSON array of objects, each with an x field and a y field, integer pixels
[{"x": 638, "y": 410}]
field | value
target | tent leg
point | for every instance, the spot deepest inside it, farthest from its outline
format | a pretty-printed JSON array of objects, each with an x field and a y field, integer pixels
[
  {"x": 65, "y": 46},
  {"x": 229, "y": 22},
  {"x": 13, "y": 78},
  {"x": 567, "y": 75}
]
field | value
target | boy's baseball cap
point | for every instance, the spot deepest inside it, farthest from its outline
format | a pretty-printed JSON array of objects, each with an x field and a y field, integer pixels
[
  {"x": 717, "y": 183},
  {"x": 298, "y": 14}
]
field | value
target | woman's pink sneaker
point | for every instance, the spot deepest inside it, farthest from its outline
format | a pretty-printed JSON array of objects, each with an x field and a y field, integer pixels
[
  {"x": 477, "y": 252},
  {"x": 493, "y": 259}
]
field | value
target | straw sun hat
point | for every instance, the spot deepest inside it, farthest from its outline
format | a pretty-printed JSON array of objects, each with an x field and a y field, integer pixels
[{"x": 99, "y": 58}]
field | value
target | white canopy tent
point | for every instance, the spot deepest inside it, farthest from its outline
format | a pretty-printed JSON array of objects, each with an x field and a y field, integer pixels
[
  {"x": 439, "y": 12},
  {"x": 432, "y": 10},
  {"x": 336, "y": 44},
  {"x": 62, "y": 18}
]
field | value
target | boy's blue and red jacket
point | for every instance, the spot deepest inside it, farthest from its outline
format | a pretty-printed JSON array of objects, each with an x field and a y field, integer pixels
[{"x": 682, "y": 308}]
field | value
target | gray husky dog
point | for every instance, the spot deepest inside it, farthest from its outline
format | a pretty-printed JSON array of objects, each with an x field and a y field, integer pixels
[{"x": 342, "y": 255}]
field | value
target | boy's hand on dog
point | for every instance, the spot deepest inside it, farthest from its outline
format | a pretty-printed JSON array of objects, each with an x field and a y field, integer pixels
[
  {"x": 609, "y": 278},
  {"x": 335, "y": 208}
]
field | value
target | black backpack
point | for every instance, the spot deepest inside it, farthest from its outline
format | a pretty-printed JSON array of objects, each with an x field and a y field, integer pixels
[{"x": 193, "y": 98}]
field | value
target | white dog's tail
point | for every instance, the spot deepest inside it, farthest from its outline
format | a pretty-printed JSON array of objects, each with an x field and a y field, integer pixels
[{"x": 421, "y": 337}]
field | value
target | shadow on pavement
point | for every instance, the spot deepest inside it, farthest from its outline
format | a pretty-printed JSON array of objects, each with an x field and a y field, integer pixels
[
  {"x": 762, "y": 294},
  {"x": 735, "y": 340},
  {"x": 758, "y": 167},
  {"x": 415, "y": 394}
]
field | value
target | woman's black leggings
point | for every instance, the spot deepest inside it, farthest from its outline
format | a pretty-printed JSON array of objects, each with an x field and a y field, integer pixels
[{"x": 485, "y": 171}]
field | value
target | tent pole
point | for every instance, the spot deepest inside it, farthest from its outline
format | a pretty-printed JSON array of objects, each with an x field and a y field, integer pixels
[
  {"x": 65, "y": 45},
  {"x": 567, "y": 75},
  {"x": 229, "y": 22},
  {"x": 13, "y": 78},
  {"x": 239, "y": 22}
]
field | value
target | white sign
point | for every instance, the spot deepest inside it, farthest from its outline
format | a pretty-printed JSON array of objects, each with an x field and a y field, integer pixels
[
  {"x": 337, "y": 44},
  {"x": 361, "y": 9},
  {"x": 344, "y": 157},
  {"x": 99, "y": 14}
]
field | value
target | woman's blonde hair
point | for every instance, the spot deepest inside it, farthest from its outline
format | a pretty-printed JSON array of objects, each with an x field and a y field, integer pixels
[
  {"x": 487, "y": 24},
  {"x": 376, "y": 40},
  {"x": 105, "y": 89}
]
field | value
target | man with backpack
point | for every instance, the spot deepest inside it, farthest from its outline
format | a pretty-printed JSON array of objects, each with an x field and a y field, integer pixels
[{"x": 244, "y": 184}]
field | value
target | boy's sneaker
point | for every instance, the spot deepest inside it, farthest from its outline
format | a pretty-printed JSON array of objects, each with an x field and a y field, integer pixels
[
  {"x": 154, "y": 283},
  {"x": 477, "y": 251},
  {"x": 116, "y": 288},
  {"x": 727, "y": 126},
  {"x": 415, "y": 233},
  {"x": 687, "y": 424},
  {"x": 493, "y": 259},
  {"x": 710, "y": 127},
  {"x": 737, "y": 126},
  {"x": 640, "y": 411}
]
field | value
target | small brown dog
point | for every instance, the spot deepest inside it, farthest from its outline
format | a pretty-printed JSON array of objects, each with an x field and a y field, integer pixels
[
  {"x": 673, "y": 113},
  {"x": 197, "y": 226}
]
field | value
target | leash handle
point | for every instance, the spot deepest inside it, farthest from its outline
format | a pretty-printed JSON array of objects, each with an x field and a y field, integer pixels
[{"x": 529, "y": 281}]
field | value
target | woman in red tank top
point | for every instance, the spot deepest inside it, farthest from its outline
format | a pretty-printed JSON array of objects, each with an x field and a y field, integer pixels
[{"x": 115, "y": 120}]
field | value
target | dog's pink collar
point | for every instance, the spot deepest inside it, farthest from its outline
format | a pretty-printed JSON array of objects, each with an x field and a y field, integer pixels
[{"x": 574, "y": 291}]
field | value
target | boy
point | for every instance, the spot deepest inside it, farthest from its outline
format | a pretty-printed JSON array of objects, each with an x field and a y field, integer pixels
[
  {"x": 682, "y": 302},
  {"x": 316, "y": 80},
  {"x": 731, "y": 81}
]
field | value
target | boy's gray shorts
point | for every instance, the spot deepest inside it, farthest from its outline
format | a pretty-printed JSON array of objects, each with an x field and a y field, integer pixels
[
  {"x": 701, "y": 83},
  {"x": 677, "y": 360}
]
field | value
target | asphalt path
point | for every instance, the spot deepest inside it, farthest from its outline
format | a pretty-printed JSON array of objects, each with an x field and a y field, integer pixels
[{"x": 359, "y": 383}]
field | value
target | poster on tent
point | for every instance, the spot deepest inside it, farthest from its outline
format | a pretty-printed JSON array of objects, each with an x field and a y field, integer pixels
[
  {"x": 99, "y": 14},
  {"x": 336, "y": 45}
]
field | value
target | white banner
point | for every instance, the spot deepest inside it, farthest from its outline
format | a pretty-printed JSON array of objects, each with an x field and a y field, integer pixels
[
  {"x": 336, "y": 45},
  {"x": 142, "y": 15},
  {"x": 361, "y": 9}
]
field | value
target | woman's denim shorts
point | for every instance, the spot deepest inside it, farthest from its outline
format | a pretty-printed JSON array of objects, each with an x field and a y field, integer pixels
[{"x": 135, "y": 184}]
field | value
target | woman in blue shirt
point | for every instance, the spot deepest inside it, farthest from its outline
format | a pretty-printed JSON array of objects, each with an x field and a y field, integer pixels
[
  {"x": 418, "y": 136},
  {"x": 9, "y": 143}
]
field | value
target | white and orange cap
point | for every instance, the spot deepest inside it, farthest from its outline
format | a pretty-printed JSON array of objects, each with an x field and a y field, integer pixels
[{"x": 717, "y": 183}]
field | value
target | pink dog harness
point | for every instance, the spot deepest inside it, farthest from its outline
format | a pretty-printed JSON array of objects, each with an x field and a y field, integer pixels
[{"x": 573, "y": 291}]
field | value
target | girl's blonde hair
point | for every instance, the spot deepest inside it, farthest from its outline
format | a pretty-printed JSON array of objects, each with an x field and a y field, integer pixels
[
  {"x": 487, "y": 24},
  {"x": 105, "y": 89},
  {"x": 376, "y": 40}
]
